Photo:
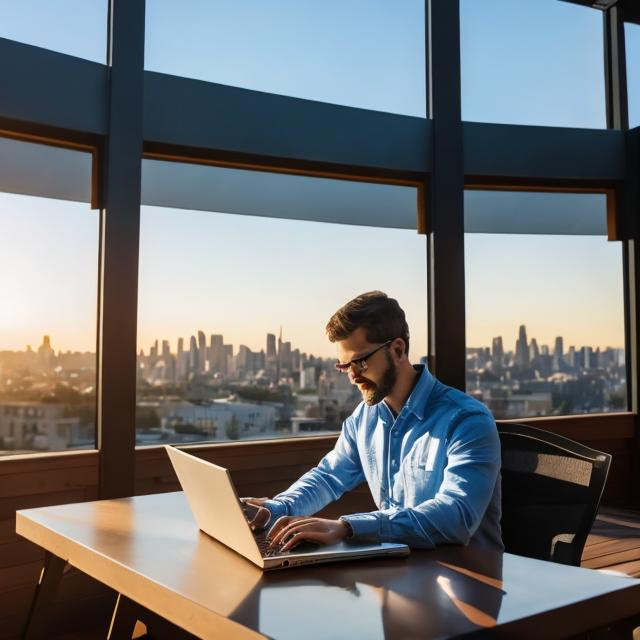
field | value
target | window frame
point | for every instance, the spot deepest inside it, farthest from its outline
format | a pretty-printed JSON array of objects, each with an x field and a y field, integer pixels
[{"x": 123, "y": 114}]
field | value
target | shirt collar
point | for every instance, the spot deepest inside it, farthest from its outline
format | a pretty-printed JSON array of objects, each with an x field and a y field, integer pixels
[{"x": 417, "y": 400}]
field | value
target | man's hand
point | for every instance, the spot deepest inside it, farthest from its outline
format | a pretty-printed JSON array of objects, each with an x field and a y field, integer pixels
[
  {"x": 290, "y": 531},
  {"x": 260, "y": 519}
]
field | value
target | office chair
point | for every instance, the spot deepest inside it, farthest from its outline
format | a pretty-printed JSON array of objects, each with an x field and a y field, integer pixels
[{"x": 551, "y": 490}]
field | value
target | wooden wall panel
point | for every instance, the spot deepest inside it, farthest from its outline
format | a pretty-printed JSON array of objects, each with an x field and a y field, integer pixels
[{"x": 34, "y": 481}]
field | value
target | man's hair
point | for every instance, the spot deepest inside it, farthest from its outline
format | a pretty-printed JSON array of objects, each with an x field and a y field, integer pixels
[{"x": 380, "y": 316}]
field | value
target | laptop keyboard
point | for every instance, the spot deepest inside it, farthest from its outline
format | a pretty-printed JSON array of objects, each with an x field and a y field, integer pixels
[{"x": 261, "y": 538}]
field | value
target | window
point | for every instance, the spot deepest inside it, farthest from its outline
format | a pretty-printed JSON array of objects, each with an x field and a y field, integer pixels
[
  {"x": 632, "y": 47},
  {"x": 534, "y": 62},
  {"x": 48, "y": 287},
  {"x": 545, "y": 312},
  {"x": 233, "y": 304},
  {"x": 75, "y": 27},
  {"x": 369, "y": 55}
]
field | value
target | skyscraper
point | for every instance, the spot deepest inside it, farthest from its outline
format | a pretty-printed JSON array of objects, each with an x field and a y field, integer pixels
[
  {"x": 193, "y": 356},
  {"x": 271, "y": 345},
  {"x": 216, "y": 354},
  {"x": 202, "y": 352},
  {"x": 497, "y": 351},
  {"x": 558, "y": 354},
  {"x": 182, "y": 361},
  {"x": 522, "y": 348}
]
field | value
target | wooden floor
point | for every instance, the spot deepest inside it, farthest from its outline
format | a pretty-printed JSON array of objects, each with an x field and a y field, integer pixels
[{"x": 614, "y": 542}]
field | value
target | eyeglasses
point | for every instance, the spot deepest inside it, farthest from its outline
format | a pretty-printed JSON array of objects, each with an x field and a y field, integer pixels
[{"x": 361, "y": 362}]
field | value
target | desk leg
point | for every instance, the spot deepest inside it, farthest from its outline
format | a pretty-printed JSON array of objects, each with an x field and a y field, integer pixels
[
  {"x": 123, "y": 620},
  {"x": 42, "y": 604},
  {"x": 127, "y": 613}
]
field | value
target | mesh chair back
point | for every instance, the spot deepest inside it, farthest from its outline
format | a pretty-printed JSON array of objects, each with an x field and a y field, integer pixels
[{"x": 551, "y": 489}]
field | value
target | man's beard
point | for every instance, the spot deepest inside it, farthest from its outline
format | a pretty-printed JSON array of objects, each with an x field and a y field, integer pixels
[{"x": 375, "y": 393}]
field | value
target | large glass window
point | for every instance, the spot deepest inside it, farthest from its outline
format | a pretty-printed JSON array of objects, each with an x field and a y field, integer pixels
[
  {"x": 361, "y": 54},
  {"x": 632, "y": 47},
  {"x": 239, "y": 273},
  {"x": 75, "y": 27},
  {"x": 48, "y": 288},
  {"x": 545, "y": 311},
  {"x": 534, "y": 62}
]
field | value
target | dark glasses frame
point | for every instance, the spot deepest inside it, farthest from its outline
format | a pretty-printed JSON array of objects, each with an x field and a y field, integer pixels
[{"x": 361, "y": 362}]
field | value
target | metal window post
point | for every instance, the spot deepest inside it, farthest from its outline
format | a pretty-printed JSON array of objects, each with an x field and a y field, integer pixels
[
  {"x": 120, "y": 231},
  {"x": 445, "y": 195}
]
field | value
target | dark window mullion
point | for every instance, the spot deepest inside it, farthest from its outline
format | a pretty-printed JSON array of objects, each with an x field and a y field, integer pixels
[
  {"x": 446, "y": 196},
  {"x": 121, "y": 170}
]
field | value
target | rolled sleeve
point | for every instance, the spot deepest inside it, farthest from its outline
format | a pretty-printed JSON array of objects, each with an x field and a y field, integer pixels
[
  {"x": 365, "y": 527},
  {"x": 277, "y": 509}
]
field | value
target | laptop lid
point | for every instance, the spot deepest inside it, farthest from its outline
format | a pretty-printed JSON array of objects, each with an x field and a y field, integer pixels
[{"x": 214, "y": 503}]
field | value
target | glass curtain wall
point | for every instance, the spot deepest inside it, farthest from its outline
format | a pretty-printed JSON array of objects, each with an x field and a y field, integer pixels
[
  {"x": 532, "y": 62},
  {"x": 48, "y": 288},
  {"x": 632, "y": 48},
  {"x": 369, "y": 55},
  {"x": 74, "y": 27},
  {"x": 239, "y": 274},
  {"x": 544, "y": 304}
]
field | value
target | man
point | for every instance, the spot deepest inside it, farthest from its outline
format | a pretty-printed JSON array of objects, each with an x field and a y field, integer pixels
[{"x": 430, "y": 453}]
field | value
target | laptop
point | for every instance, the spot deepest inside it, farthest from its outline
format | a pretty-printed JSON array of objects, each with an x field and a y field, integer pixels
[{"x": 218, "y": 512}]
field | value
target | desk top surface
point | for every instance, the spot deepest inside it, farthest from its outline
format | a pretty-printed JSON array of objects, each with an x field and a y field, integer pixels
[{"x": 150, "y": 549}]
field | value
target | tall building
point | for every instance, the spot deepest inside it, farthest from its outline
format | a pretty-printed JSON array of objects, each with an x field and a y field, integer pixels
[
  {"x": 45, "y": 354},
  {"x": 271, "y": 345},
  {"x": 522, "y": 349},
  {"x": 217, "y": 362},
  {"x": 193, "y": 355},
  {"x": 202, "y": 352},
  {"x": 497, "y": 351},
  {"x": 558, "y": 354},
  {"x": 534, "y": 352},
  {"x": 286, "y": 359},
  {"x": 182, "y": 361}
]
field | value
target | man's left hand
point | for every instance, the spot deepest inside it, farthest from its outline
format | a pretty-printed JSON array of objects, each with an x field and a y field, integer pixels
[{"x": 290, "y": 531}]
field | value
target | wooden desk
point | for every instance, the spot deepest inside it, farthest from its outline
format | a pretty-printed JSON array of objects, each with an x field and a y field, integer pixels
[{"x": 149, "y": 549}]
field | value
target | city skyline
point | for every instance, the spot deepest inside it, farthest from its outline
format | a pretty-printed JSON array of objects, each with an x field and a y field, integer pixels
[{"x": 174, "y": 344}]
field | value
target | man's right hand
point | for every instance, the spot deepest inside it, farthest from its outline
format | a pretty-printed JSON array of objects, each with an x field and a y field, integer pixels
[{"x": 261, "y": 517}]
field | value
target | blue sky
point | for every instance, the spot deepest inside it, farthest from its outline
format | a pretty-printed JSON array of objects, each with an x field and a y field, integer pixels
[{"x": 527, "y": 62}]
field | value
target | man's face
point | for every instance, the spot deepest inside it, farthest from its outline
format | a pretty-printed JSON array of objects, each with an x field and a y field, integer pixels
[{"x": 379, "y": 377}]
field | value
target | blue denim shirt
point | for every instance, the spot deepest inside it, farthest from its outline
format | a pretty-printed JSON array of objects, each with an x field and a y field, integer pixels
[{"x": 434, "y": 471}]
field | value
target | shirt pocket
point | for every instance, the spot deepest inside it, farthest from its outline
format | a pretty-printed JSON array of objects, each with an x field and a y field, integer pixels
[{"x": 416, "y": 478}]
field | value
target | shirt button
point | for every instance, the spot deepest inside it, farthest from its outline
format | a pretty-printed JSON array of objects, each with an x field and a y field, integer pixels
[{"x": 393, "y": 463}]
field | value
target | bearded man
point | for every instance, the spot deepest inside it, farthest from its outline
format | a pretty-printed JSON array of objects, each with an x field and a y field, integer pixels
[{"x": 429, "y": 453}]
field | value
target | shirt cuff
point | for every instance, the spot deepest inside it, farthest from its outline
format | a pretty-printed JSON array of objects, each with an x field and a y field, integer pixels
[
  {"x": 277, "y": 509},
  {"x": 365, "y": 527}
]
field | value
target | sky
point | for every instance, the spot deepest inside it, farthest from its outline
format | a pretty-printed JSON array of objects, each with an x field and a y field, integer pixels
[{"x": 526, "y": 61}]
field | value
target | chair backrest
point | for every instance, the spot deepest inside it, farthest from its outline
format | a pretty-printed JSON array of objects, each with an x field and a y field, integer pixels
[{"x": 551, "y": 490}]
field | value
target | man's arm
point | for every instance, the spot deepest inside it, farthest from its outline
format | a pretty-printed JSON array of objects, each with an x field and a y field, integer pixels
[
  {"x": 455, "y": 512},
  {"x": 339, "y": 471}
]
